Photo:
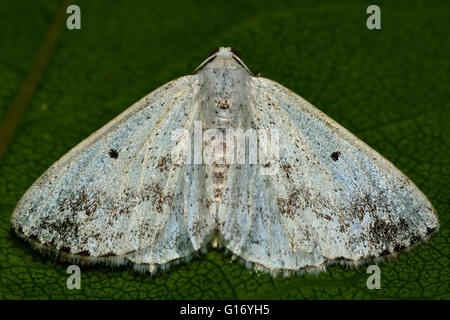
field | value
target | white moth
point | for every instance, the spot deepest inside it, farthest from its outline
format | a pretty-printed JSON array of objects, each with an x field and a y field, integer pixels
[{"x": 119, "y": 197}]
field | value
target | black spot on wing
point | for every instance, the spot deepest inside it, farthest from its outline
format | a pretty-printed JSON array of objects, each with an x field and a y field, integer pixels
[
  {"x": 335, "y": 155},
  {"x": 113, "y": 153}
]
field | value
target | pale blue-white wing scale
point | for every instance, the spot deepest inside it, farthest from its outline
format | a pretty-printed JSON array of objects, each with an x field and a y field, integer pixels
[
  {"x": 118, "y": 191},
  {"x": 333, "y": 197}
]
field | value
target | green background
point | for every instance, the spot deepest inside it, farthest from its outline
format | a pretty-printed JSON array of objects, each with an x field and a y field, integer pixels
[{"x": 390, "y": 87}]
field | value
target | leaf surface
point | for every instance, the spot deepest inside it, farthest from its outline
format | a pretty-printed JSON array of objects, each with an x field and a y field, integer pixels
[{"x": 388, "y": 86}]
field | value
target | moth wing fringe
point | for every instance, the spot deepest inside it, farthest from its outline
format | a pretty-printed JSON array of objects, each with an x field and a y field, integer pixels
[{"x": 153, "y": 269}]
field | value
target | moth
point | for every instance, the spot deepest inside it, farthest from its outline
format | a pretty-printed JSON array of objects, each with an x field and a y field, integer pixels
[{"x": 122, "y": 197}]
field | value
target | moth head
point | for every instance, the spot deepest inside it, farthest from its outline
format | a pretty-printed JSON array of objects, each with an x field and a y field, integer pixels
[{"x": 226, "y": 52}]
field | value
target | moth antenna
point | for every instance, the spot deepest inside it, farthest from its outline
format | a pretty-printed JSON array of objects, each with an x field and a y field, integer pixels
[{"x": 210, "y": 58}]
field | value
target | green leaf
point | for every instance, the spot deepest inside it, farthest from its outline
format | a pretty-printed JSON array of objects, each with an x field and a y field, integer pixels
[{"x": 388, "y": 86}]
